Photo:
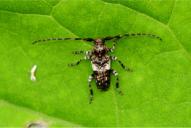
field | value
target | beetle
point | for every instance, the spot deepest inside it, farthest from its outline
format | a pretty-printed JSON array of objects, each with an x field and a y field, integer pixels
[{"x": 100, "y": 60}]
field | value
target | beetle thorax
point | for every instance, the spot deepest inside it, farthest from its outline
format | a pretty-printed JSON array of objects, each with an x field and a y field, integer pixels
[{"x": 99, "y": 48}]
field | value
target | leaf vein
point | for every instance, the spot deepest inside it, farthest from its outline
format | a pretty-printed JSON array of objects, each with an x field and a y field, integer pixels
[
  {"x": 161, "y": 23},
  {"x": 34, "y": 111}
]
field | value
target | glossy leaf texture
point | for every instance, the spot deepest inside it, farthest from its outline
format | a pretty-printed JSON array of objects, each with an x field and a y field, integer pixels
[{"x": 156, "y": 93}]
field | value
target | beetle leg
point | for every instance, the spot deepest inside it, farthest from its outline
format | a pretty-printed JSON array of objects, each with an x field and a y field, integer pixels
[
  {"x": 113, "y": 47},
  {"x": 78, "y": 52},
  {"x": 90, "y": 87},
  {"x": 78, "y": 62},
  {"x": 117, "y": 81},
  {"x": 81, "y": 52},
  {"x": 122, "y": 65}
]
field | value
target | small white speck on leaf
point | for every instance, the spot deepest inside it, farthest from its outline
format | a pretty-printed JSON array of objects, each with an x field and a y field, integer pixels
[{"x": 33, "y": 73}]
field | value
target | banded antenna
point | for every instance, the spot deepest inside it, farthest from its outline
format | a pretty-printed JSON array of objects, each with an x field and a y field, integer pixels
[
  {"x": 117, "y": 37},
  {"x": 62, "y": 38},
  {"x": 107, "y": 38}
]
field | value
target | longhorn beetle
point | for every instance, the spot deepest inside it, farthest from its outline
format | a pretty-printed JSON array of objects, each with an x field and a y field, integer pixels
[{"x": 100, "y": 60}]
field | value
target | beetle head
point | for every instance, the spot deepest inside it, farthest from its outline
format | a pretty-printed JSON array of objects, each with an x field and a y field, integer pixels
[{"x": 98, "y": 41}]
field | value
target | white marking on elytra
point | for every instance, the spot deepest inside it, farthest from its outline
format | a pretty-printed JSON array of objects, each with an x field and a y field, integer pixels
[
  {"x": 33, "y": 72},
  {"x": 105, "y": 67}
]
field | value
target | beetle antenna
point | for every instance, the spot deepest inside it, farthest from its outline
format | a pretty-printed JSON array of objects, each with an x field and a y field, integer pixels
[
  {"x": 62, "y": 38},
  {"x": 132, "y": 34}
]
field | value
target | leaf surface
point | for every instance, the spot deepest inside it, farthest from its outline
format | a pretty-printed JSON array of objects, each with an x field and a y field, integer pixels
[{"x": 156, "y": 93}]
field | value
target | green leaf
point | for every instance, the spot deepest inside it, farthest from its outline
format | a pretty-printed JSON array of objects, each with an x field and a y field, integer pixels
[
  {"x": 156, "y": 93},
  {"x": 14, "y": 115}
]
